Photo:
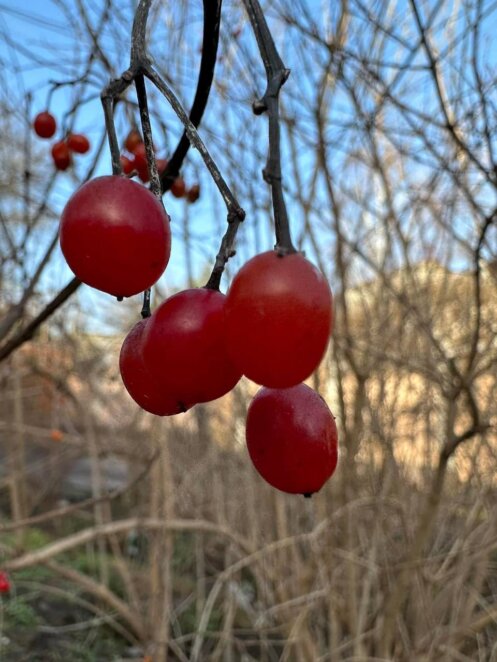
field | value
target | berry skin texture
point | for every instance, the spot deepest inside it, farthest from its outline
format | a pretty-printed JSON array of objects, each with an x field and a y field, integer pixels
[
  {"x": 185, "y": 345},
  {"x": 61, "y": 155},
  {"x": 292, "y": 439},
  {"x": 45, "y": 125},
  {"x": 143, "y": 388},
  {"x": 278, "y": 319},
  {"x": 115, "y": 236},
  {"x": 78, "y": 143}
]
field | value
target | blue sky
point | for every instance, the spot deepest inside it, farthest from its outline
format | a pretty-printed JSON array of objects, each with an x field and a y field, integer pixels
[{"x": 44, "y": 34}]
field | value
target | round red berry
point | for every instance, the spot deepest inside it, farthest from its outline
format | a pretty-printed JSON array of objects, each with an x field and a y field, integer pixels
[
  {"x": 178, "y": 187},
  {"x": 61, "y": 155},
  {"x": 292, "y": 438},
  {"x": 115, "y": 236},
  {"x": 78, "y": 143},
  {"x": 133, "y": 139},
  {"x": 45, "y": 125},
  {"x": 278, "y": 319},
  {"x": 184, "y": 344},
  {"x": 193, "y": 193},
  {"x": 152, "y": 395}
]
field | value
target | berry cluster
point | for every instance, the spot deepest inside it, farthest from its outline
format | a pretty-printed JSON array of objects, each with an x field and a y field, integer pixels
[
  {"x": 273, "y": 326},
  {"x": 45, "y": 126},
  {"x": 134, "y": 162}
]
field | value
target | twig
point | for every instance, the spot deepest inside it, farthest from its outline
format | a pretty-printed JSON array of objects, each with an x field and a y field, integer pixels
[
  {"x": 66, "y": 510},
  {"x": 28, "y": 332},
  {"x": 122, "y": 526},
  {"x": 277, "y": 75}
]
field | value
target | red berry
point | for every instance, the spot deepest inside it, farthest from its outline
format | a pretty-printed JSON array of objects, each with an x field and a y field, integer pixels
[
  {"x": 61, "y": 155},
  {"x": 193, "y": 193},
  {"x": 78, "y": 143},
  {"x": 146, "y": 391},
  {"x": 140, "y": 155},
  {"x": 4, "y": 583},
  {"x": 133, "y": 139},
  {"x": 45, "y": 125},
  {"x": 278, "y": 319},
  {"x": 292, "y": 438},
  {"x": 185, "y": 345},
  {"x": 143, "y": 173},
  {"x": 115, "y": 236},
  {"x": 128, "y": 165},
  {"x": 178, "y": 187}
]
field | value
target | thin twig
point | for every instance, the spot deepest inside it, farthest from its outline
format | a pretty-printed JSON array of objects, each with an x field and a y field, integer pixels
[{"x": 276, "y": 74}]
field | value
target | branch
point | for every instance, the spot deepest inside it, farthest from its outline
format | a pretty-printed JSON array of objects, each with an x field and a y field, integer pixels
[
  {"x": 28, "y": 331},
  {"x": 123, "y": 526},
  {"x": 277, "y": 75},
  {"x": 66, "y": 510},
  {"x": 450, "y": 123},
  {"x": 129, "y": 616}
]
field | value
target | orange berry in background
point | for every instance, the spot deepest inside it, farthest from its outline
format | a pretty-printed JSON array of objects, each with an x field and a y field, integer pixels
[
  {"x": 132, "y": 141},
  {"x": 193, "y": 194},
  {"x": 178, "y": 187},
  {"x": 56, "y": 434},
  {"x": 78, "y": 143}
]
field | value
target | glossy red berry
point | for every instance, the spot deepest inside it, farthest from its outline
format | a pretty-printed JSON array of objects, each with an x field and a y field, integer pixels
[
  {"x": 45, "y": 125},
  {"x": 278, "y": 319},
  {"x": 61, "y": 155},
  {"x": 4, "y": 583},
  {"x": 178, "y": 187},
  {"x": 115, "y": 236},
  {"x": 78, "y": 143},
  {"x": 156, "y": 398},
  {"x": 292, "y": 438},
  {"x": 184, "y": 344}
]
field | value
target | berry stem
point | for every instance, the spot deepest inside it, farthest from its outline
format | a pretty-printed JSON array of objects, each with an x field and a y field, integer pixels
[
  {"x": 155, "y": 185},
  {"x": 141, "y": 93},
  {"x": 145, "y": 311}
]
